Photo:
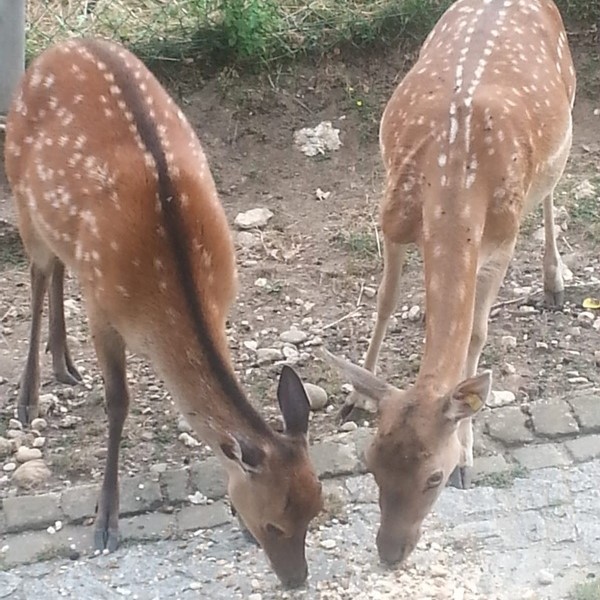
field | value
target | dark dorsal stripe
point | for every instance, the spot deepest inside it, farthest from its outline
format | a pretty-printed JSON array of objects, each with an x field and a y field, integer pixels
[{"x": 172, "y": 221}]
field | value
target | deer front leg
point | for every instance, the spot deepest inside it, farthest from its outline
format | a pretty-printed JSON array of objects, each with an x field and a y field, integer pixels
[
  {"x": 554, "y": 287},
  {"x": 387, "y": 299},
  {"x": 28, "y": 398},
  {"x": 110, "y": 350},
  {"x": 62, "y": 364},
  {"x": 489, "y": 280}
]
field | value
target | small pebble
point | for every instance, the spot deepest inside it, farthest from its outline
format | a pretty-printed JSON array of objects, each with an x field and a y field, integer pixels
[
  {"x": 15, "y": 424},
  {"x": 25, "y": 454},
  {"x": 317, "y": 396},
  {"x": 9, "y": 467},
  {"x": 188, "y": 440},
  {"x": 328, "y": 544},
  {"x": 39, "y": 424},
  {"x": 39, "y": 442},
  {"x": 349, "y": 426}
]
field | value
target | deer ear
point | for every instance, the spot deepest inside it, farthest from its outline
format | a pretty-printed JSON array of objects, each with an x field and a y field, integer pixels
[
  {"x": 363, "y": 381},
  {"x": 248, "y": 456},
  {"x": 469, "y": 397},
  {"x": 293, "y": 402}
]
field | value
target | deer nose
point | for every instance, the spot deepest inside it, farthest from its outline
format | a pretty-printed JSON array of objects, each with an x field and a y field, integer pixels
[
  {"x": 295, "y": 580},
  {"x": 392, "y": 550}
]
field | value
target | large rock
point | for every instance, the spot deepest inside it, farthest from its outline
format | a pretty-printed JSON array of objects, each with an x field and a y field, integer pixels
[
  {"x": 254, "y": 218},
  {"x": 25, "y": 454},
  {"x": 317, "y": 396},
  {"x": 31, "y": 474}
]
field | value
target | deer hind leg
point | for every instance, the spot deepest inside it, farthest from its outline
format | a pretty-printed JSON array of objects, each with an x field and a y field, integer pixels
[
  {"x": 110, "y": 350},
  {"x": 388, "y": 294},
  {"x": 28, "y": 398},
  {"x": 554, "y": 287},
  {"x": 62, "y": 363},
  {"x": 489, "y": 280}
]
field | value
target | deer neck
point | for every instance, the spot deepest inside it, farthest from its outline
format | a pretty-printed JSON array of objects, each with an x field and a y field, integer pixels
[
  {"x": 452, "y": 230},
  {"x": 200, "y": 377}
]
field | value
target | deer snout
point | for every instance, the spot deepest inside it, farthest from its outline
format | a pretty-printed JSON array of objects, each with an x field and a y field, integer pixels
[
  {"x": 287, "y": 556},
  {"x": 395, "y": 549}
]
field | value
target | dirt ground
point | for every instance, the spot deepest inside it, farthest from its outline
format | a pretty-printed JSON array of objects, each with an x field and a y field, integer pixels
[{"x": 316, "y": 265}]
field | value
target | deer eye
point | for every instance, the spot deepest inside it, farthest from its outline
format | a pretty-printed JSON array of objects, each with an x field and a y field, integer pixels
[
  {"x": 274, "y": 530},
  {"x": 435, "y": 480}
]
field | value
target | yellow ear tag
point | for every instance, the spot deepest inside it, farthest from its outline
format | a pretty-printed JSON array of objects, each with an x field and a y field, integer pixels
[{"x": 474, "y": 401}]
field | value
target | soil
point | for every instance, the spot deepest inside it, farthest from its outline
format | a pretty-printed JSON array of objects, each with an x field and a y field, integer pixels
[{"x": 317, "y": 264}]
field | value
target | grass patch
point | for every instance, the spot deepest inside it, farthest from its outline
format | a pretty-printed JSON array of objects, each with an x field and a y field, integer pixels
[
  {"x": 225, "y": 31},
  {"x": 504, "y": 479},
  {"x": 586, "y": 591},
  {"x": 361, "y": 244}
]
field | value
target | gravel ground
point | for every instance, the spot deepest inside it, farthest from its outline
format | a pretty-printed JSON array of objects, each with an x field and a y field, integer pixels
[{"x": 537, "y": 539}]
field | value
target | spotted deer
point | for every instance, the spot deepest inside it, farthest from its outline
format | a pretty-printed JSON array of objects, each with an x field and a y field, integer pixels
[
  {"x": 475, "y": 135},
  {"x": 111, "y": 181}
]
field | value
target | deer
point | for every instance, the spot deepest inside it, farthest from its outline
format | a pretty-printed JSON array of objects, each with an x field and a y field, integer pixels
[
  {"x": 110, "y": 182},
  {"x": 475, "y": 135}
]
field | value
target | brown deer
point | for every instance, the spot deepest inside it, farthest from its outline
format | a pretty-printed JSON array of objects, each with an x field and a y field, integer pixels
[
  {"x": 475, "y": 135},
  {"x": 110, "y": 181}
]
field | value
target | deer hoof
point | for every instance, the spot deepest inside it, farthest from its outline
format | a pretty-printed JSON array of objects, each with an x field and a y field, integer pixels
[
  {"x": 461, "y": 478},
  {"x": 106, "y": 539},
  {"x": 554, "y": 299}
]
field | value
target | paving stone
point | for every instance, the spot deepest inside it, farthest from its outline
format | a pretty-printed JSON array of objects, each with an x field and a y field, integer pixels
[
  {"x": 587, "y": 411},
  {"x": 362, "y": 439},
  {"x": 209, "y": 478},
  {"x": 80, "y": 502},
  {"x": 33, "y": 546},
  {"x": 362, "y": 489},
  {"x": 31, "y": 512},
  {"x": 542, "y": 456},
  {"x": 139, "y": 494},
  {"x": 175, "y": 482},
  {"x": 153, "y": 526},
  {"x": 584, "y": 448},
  {"x": 203, "y": 516},
  {"x": 334, "y": 458},
  {"x": 486, "y": 465},
  {"x": 508, "y": 426},
  {"x": 553, "y": 418}
]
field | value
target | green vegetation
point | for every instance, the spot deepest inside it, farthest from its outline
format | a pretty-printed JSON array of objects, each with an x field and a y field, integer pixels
[
  {"x": 504, "y": 479},
  {"x": 362, "y": 244},
  {"x": 587, "y": 591}
]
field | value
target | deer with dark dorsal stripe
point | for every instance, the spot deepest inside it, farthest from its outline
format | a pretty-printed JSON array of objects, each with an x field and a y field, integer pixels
[
  {"x": 110, "y": 180},
  {"x": 475, "y": 135}
]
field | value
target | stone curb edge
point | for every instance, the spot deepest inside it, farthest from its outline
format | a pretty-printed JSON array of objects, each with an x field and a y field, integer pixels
[{"x": 157, "y": 505}]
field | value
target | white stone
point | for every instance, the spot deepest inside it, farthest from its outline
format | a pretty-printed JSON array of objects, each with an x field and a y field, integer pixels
[
  {"x": 188, "y": 440},
  {"x": 500, "y": 398},
  {"x": 317, "y": 396},
  {"x": 14, "y": 424},
  {"x": 317, "y": 140},
  {"x": 245, "y": 239},
  {"x": 183, "y": 425},
  {"x": 39, "y": 424},
  {"x": 253, "y": 218},
  {"x": 251, "y": 345},
  {"x": 508, "y": 341},
  {"x": 9, "y": 467},
  {"x": 268, "y": 355},
  {"x": 293, "y": 336},
  {"x": 414, "y": 313},
  {"x": 328, "y": 544},
  {"x": 31, "y": 474},
  {"x": 349, "y": 426},
  {"x": 25, "y": 454}
]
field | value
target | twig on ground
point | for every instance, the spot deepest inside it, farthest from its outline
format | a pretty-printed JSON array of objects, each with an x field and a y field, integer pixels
[{"x": 351, "y": 314}]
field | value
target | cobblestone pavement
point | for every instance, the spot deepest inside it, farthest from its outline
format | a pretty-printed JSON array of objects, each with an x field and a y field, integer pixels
[{"x": 537, "y": 538}]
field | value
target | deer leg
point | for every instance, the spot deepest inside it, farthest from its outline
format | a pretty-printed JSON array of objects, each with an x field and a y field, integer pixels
[
  {"x": 62, "y": 364},
  {"x": 27, "y": 401},
  {"x": 387, "y": 299},
  {"x": 489, "y": 281},
  {"x": 110, "y": 350},
  {"x": 554, "y": 287}
]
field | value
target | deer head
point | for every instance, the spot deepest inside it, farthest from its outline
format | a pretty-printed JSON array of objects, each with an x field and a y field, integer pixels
[
  {"x": 274, "y": 485},
  {"x": 415, "y": 450}
]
